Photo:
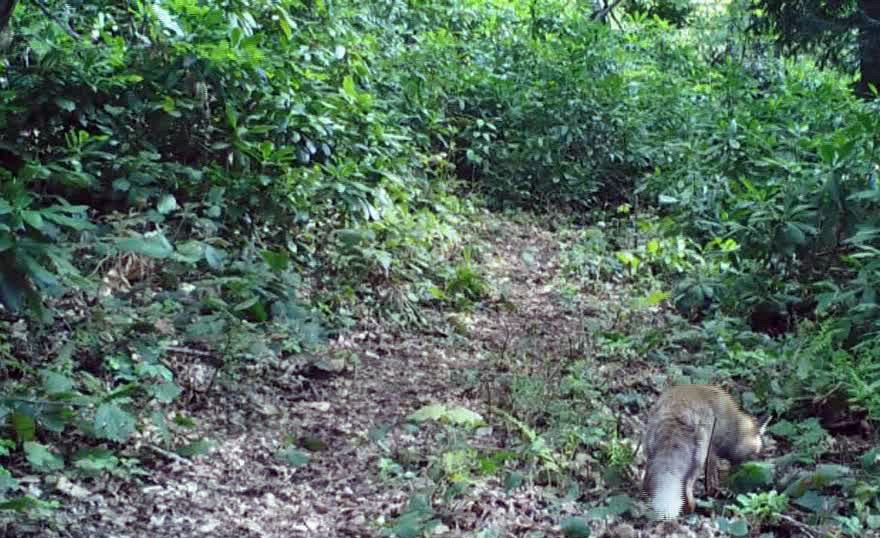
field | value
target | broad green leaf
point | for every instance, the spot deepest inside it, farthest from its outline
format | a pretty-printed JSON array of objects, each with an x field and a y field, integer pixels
[
  {"x": 7, "y": 482},
  {"x": 656, "y": 297},
  {"x": 465, "y": 417},
  {"x": 56, "y": 417},
  {"x": 231, "y": 116},
  {"x": 65, "y": 104},
  {"x": 113, "y": 423},
  {"x": 122, "y": 391},
  {"x": 428, "y": 412},
  {"x": 351, "y": 237},
  {"x": 822, "y": 476},
  {"x": 871, "y": 459},
  {"x": 122, "y": 185},
  {"x": 277, "y": 260},
  {"x": 13, "y": 288},
  {"x": 27, "y": 504},
  {"x": 814, "y": 502},
  {"x": 165, "y": 392},
  {"x": 293, "y": 456},
  {"x": 190, "y": 251},
  {"x": 37, "y": 272},
  {"x": 95, "y": 460},
  {"x": 41, "y": 458},
  {"x": 55, "y": 383},
  {"x": 24, "y": 426},
  {"x": 78, "y": 224},
  {"x": 830, "y": 472},
  {"x": 166, "y": 204},
  {"x": 154, "y": 246},
  {"x": 285, "y": 22},
  {"x": 417, "y": 520},
  {"x": 196, "y": 448},
  {"x": 828, "y": 152},
  {"x": 161, "y": 424},
  {"x": 246, "y": 303},
  {"x": 165, "y": 18},
  {"x": 348, "y": 87},
  {"x": 34, "y": 218},
  {"x": 733, "y": 527},
  {"x": 378, "y": 433},
  {"x": 384, "y": 258},
  {"x": 513, "y": 480},
  {"x": 794, "y": 235},
  {"x": 751, "y": 476},
  {"x": 575, "y": 527},
  {"x": 215, "y": 257},
  {"x": 620, "y": 504}
]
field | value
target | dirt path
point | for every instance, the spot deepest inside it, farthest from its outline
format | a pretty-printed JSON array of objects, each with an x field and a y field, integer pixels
[{"x": 242, "y": 490}]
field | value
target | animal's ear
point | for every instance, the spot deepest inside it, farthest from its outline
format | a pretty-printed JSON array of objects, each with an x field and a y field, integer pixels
[{"x": 764, "y": 421}]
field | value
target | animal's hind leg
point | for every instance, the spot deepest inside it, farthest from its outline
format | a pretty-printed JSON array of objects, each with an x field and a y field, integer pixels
[
  {"x": 700, "y": 460},
  {"x": 689, "y": 503},
  {"x": 711, "y": 479}
]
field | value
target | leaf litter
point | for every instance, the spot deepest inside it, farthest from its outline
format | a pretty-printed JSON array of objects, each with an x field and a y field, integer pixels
[{"x": 290, "y": 458}]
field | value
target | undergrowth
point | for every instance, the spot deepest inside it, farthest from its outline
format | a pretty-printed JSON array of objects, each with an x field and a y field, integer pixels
[{"x": 239, "y": 183}]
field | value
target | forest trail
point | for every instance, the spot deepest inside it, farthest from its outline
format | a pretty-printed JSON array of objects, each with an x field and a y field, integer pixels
[{"x": 241, "y": 489}]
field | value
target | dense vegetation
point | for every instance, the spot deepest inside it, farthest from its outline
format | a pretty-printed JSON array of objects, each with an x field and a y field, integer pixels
[{"x": 244, "y": 179}]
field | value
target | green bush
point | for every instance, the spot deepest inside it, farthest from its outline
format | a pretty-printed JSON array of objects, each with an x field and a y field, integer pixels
[{"x": 223, "y": 180}]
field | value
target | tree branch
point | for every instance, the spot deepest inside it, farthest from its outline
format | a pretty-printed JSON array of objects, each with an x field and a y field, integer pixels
[
  {"x": 61, "y": 24},
  {"x": 6, "y": 9},
  {"x": 602, "y": 13}
]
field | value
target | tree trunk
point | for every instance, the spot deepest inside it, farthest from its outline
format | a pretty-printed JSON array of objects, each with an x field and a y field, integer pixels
[
  {"x": 6, "y": 9},
  {"x": 869, "y": 48}
]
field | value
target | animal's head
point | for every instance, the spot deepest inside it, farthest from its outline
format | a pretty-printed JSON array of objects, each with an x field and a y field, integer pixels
[{"x": 751, "y": 438}]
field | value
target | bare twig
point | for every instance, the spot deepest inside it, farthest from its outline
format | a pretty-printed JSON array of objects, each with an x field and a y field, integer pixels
[
  {"x": 602, "y": 13},
  {"x": 706, "y": 463},
  {"x": 31, "y": 401},
  {"x": 189, "y": 351},
  {"x": 170, "y": 455},
  {"x": 61, "y": 24},
  {"x": 803, "y": 527}
]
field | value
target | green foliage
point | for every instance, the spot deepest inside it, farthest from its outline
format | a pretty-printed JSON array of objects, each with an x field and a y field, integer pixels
[
  {"x": 458, "y": 415},
  {"x": 750, "y": 476},
  {"x": 780, "y": 192},
  {"x": 820, "y": 26},
  {"x": 675, "y": 12},
  {"x": 237, "y": 182},
  {"x": 764, "y": 507},
  {"x": 464, "y": 283},
  {"x": 620, "y": 455},
  {"x": 293, "y": 456},
  {"x": 29, "y": 249},
  {"x": 575, "y": 527},
  {"x": 733, "y": 526},
  {"x": 417, "y": 520},
  {"x": 223, "y": 180},
  {"x": 484, "y": 88}
]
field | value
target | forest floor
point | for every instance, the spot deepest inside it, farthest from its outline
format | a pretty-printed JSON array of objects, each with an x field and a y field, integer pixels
[{"x": 366, "y": 462}]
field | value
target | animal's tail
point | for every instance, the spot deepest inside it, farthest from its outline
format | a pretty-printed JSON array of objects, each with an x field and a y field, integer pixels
[{"x": 665, "y": 488}]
